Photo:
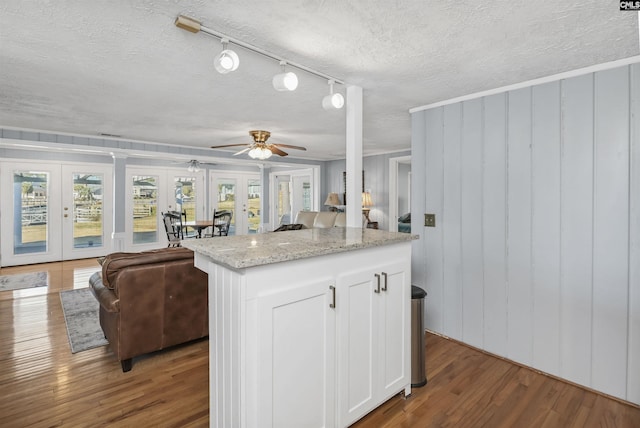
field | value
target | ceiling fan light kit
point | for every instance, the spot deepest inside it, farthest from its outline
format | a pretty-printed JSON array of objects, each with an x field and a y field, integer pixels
[
  {"x": 261, "y": 153},
  {"x": 228, "y": 61}
]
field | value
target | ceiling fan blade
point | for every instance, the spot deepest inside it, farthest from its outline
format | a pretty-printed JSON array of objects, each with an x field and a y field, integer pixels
[
  {"x": 277, "y": 151},
  {"x": 290, "y": 147},
  {"x": 242, "y": 151},
  {"x": 228, "y": 145}
]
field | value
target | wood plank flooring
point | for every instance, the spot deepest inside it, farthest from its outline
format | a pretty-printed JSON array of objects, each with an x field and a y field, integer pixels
[{"x": 43, "y": 385}]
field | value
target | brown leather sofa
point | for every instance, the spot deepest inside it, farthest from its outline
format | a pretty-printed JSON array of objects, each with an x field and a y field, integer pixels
[{"x": 150, "y": 301}]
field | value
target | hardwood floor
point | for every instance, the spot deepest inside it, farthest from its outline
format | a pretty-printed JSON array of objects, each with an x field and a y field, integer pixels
[{"x": 43, "y": 385}]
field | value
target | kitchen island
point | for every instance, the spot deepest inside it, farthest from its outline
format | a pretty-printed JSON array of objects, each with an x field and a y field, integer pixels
[{"x": 307, "y": 328}]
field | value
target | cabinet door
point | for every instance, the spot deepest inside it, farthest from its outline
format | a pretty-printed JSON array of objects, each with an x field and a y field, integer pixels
[
  {"x": 395, "y": 329},
  {"x": 296, "y": 357},
  {"x": 357, "y": 307}
]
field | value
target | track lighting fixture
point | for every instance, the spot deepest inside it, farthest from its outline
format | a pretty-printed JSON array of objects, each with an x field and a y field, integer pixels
[
  {"x": 285, "y": 81},
  {"x": 332, "y": 101},
  {"x": 227, "y": 60}
]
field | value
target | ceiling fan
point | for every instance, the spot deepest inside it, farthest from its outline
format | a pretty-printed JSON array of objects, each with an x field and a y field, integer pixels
[
  {"x": 194, "y": 165},
  {"x": 260, "y": 149}
]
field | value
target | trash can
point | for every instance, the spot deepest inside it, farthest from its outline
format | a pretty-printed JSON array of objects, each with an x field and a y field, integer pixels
[{"x": 418, "y": 376}]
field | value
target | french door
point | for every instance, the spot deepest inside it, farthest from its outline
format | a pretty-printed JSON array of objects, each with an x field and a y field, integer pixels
[
  {"x": 151, "y": 191},
  {"x": 239, "y": 193},
  {"x": 52, "y": 211},
  {"x": 292, "y": 192}
]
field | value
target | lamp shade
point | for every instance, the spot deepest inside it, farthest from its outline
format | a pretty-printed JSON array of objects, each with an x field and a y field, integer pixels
[
  {"x": 366, "y": 200},
  {"x": 332, "y": 199}
]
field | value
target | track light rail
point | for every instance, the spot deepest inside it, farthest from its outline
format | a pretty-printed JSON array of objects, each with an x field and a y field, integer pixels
[{"x": 194, "y": 26}]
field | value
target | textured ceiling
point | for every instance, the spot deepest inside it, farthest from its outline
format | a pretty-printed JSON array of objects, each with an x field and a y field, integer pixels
[{"x": 122, "y": 67}]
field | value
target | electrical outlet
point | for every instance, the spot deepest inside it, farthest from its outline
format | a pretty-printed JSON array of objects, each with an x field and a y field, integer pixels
[{"x": 430, "y": 220}]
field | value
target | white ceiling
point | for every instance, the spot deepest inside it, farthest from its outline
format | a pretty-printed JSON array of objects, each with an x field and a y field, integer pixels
[{"x": 122, "y": 67}]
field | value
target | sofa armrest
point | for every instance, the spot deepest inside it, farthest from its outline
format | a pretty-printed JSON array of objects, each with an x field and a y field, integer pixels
[{"x": 106, "y": 297}]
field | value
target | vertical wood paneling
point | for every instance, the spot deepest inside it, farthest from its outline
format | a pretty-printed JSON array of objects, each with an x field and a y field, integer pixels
[
  {"x": 549, "y": 226},
  {"x": 494, "y": 224},
  {"x": 576, "y": 229},
  {"x": 633, "y": 375},
  {"x": 418, "y": 194},
  {"x": 471, "y": 227},
  {"x": 611, "y": 231},
  {"x": 433, "y": 204},
  {"x": 520, "y": 314},
  {"x": 450, "y": 222},
  {"x": 545, "y": 249}
]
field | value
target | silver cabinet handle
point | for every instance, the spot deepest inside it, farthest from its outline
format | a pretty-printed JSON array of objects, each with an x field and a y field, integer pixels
[
  {"x": 384, "y": 274},
  {"x": 377, "y": 290},
  {"x": 332, "y": 305}
]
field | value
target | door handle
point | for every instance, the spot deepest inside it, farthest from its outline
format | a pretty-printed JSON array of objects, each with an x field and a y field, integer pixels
[
  {"x": 332, "y": 305},
  {"x": 384, "y": 274},
  {"x": 377, "y": 289}
]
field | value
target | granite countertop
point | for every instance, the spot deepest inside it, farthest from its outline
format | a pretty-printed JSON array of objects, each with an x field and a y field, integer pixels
[{"x": 239, "y": 252}]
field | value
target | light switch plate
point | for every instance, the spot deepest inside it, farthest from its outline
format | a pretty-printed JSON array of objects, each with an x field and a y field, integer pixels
[{"x": 430, "y": 220}]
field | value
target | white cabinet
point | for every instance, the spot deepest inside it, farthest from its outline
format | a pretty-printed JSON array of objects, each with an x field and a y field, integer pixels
[
  {"x": 296, "y": 377},
  {"x": 373, "y": 337},
  {"x": 310, "y": 342}
]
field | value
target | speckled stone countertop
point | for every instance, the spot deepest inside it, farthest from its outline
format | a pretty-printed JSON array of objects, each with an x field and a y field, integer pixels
[{"x": 239, "y": 252}]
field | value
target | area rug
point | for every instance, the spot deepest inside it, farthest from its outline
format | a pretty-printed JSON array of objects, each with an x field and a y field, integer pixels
[
  {"x": 24, "y": 280},
  {"x": 81, "y": 315}
]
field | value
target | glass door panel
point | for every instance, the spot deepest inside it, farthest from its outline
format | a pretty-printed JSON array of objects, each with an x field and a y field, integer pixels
[
  {"x": 253, "y": 205},
  {"x": 185, "y": 196},
  {"x": 144, "y": 202},
  {"x": 88, "y": 226},
  {"x": 31, "y": 212},
  {"x": 226, "y": 199}
]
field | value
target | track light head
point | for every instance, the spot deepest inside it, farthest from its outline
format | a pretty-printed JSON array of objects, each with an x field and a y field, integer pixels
[
  {"x": 227, "y": 60},
  {"x": 332, "y": 101},
  {"x": 285, "y": 81}
]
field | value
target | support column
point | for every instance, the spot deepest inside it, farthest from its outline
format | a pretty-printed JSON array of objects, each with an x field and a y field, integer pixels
[
  {"x": 354, "y": 156},
  {"x": 119, "y": 201},
  {"x": 265, "y": 187}
]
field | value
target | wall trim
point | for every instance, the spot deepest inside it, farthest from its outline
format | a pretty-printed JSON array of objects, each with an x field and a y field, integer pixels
[{"x": 528, "y": 83}]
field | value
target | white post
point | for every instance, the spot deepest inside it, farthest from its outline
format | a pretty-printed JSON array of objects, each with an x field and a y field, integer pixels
[{"x": 354, "y": 156}]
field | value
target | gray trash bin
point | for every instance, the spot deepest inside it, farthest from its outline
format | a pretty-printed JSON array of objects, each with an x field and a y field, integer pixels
[{"x": 418, "y": 376}]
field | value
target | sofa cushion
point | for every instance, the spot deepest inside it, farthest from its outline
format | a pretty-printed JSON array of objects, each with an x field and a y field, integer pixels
[
  {"x": 324, "y": 219},
  {"x": 306, "y": 218},
  {"x": 341, "y": 220},
  {"x": 115, "y": 262}
]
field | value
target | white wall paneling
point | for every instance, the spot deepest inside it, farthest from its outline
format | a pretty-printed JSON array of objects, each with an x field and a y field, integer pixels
[
  {"x": 610, "y": 231},
  {"x": 536, "y": 251},
  {"x": 433, "y": 236},
  {"x": 576, "y": 224},
  {"x": 494, "y": 224},
  {"x": 450, "y": 220},
  {"x": 519, "y": 309},
  {"x": 633, "y": 360},
  {"x": 472, "y": 269},
  {"x": 545, "y": 225}
]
